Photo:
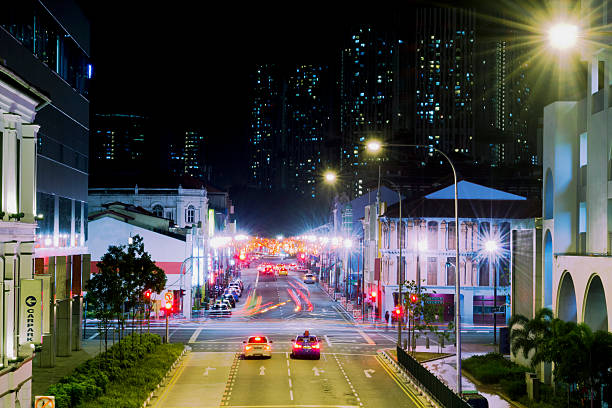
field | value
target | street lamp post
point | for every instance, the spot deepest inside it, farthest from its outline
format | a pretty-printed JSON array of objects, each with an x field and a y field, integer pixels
[{"x": 375, "y": 146}]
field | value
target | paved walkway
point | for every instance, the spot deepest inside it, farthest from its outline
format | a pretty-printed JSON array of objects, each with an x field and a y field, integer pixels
[{"x": 42, "y": 378}]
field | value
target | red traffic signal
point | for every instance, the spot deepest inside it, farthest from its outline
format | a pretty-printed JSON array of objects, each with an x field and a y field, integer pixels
[
  {"x": 168, "y": 305},
  {"x": 302, "y": 256},
  {"x": 397, "y": 311},
  {"x": 374, "y": 294},
  {"x": 414, "y": 298},
  {"x": 147, "y": 294}
]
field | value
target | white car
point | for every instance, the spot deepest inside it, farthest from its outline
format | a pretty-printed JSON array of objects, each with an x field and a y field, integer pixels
[
  {"x": 257, "y": 346},
  {"x": 310, "y": 278}
]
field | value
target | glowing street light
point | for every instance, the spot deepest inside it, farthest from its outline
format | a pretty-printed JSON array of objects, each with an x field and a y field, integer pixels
[
  {"x": 330, "y": 177},
  {"x": 348, "y": 243},
  {"x": 374, "y": 146},
  {"x": 563, "y": 36},
  {"x": 491, "y": 246}
]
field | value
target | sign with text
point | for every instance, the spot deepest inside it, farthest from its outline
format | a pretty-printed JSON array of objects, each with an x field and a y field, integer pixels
[{"x": 30, "y": 311}]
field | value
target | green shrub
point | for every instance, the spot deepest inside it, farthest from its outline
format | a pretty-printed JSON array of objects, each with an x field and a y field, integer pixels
[
  {"x": 514, "y": 387},
  {"x": 492, "y": 368},
  {"x": 93, "y": 378}
]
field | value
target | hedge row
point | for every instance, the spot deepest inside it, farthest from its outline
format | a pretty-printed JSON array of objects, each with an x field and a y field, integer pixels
[
  {"x": 494, "y": 368},
  {"x": 137, "y": 355}
]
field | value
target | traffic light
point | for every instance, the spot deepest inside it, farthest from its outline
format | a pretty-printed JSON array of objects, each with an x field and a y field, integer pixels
[
  {"x": 374, "y": 294},
  {"x": 168, "y": 305},
  {"x": 397, "y": 311},
  {"x": 147, "y": 294},
  {"x": 414, "y": 298}
]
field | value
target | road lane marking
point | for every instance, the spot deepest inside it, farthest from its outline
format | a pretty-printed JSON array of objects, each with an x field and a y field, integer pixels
[
  {"x": 327, "y": 340},
  {"x": 366, "y": 337},
  {"x": 368, "y": 373},
  {"x": 94, "y": 336},
  {"x": 289, "y": 372},
  {"x": 290, "y": 383},
  {"x": 195, "y": 335},
  {"x": 291, "y": 394}
]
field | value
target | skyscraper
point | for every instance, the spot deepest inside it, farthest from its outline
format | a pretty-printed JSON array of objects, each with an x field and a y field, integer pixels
[
  {"x": 119, "y": 138},
  {"x": 369, "y": 98},
  {"x": 506, "y": 111},
  {"x": 194, "y": 154},
  {"x": 307, "y": 122},
  {"x": 444, "y": 79}
]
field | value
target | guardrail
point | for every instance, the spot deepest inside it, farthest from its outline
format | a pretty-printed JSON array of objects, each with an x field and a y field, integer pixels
[{"x": 432, "y": 384}]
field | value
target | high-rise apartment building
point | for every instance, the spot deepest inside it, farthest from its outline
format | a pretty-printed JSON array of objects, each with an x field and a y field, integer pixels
[
  {"x": 265, "y": 127},
  {"x": 290, "y": 115},
  {"x": 307, "y": 120},
  {"x": 194, "y": 154},
  {"x": 47, "y": 44},
  {"x": 119, "y": 137},
  {"x": 505, "y": 109},
  {"x": 444, "y": 78},
  {"x": 369, "y": 98}
]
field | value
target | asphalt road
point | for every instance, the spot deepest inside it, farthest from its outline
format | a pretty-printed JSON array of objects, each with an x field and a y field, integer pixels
[{"x": 349, "y": 374}]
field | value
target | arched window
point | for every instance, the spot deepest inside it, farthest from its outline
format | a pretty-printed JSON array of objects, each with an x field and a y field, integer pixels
[
  {"x": 190, "y": 214},
  {"x": 158, "y": 210},
  {"x": 432, "y": 235},
  {"x": 451, "y": 235}
]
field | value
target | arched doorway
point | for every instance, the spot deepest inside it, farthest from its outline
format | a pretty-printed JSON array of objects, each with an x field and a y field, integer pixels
[
  {"x": 566, "y": 302},
  {"x": 548, "y": 271},
  {"x": 595, "y": 308}
]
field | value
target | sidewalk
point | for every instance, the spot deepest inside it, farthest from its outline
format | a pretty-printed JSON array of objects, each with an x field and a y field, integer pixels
[
  {"x": 42, "y": 378},
  {"x": 445, "y": 369}
]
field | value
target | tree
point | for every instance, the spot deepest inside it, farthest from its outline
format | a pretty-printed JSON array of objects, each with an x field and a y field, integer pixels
[
  {"x": 421, "y": 310},
  {"x": 125, "y": 273},
  {"x": 526, "y": 334},
  {"x": 580, "y": 356}
]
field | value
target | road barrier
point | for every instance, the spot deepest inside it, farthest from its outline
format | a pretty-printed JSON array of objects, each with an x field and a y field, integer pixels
[{"x": 432, "y": 384}]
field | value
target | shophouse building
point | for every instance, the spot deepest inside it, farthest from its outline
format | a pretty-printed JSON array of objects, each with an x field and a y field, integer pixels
[{"x": 490, "y": 224}]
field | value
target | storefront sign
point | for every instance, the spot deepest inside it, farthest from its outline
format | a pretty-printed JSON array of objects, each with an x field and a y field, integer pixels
[{"x": 30, "y": 311}]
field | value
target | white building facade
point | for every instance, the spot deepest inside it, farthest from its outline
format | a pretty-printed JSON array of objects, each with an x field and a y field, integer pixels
[
  {"x": 186, "y": 207},
  {"x": 21, "y": 301},
  {"x": 577, "y": 197},
  {"x": 427, "y": 239}
]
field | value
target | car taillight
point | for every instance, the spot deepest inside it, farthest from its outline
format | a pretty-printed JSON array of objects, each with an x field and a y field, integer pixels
[
  {"x": 315, "y": 346},
  {"x": 297, "y": 345},
  {"x": 267, "y": 347},
  {"x": 247, "y": 347}
]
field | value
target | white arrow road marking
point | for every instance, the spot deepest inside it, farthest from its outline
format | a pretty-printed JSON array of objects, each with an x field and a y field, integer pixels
[
  {"x": 317, "y": 371},
  {"x": 262, "y": 370},
  {"x": 207, "y": 369},
  {"x": 327, "y": 340},
  {"x": 368, "y": 373}
]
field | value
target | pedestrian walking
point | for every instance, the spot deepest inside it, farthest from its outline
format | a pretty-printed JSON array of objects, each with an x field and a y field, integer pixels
[{"x": 387, "y": 320}]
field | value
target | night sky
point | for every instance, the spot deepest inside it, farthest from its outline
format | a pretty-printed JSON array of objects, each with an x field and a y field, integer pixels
[{"x": 189, "y": 65}]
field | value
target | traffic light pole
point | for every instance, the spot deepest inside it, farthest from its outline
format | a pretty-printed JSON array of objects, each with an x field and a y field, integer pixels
[{"x": 167, "y": 331}]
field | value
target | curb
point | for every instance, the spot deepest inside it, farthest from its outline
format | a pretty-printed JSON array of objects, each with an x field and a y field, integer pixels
[
  {"x": 166, "y": 377},
  {"x": 401, "y": 371}
]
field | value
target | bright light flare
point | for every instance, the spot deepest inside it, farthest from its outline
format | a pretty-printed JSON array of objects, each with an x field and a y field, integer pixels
[
  {"x": 563, "y": 36},
  {"x": 491, "y": 246},
  {"x": 348, "y": 243},
  {"x": 374, "y": 146},
  {"x": 330, "y": 177}
]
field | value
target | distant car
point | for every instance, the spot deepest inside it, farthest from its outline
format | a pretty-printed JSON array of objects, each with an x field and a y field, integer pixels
[
  {"x": 306, "y": 346},
  {"x": 220, "y": 310},
  {"x": 229, "y": 297},
  {"x": 257, "y": 346},
  {"x": 282, "y": 271},
  {"x": 310, "y": 278},
  {"x": 302, "y": 270},
  {"x": 224, "y": 301}
]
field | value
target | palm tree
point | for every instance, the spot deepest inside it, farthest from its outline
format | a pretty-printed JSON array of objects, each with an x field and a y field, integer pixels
[{"x": 530, "y": 334}]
